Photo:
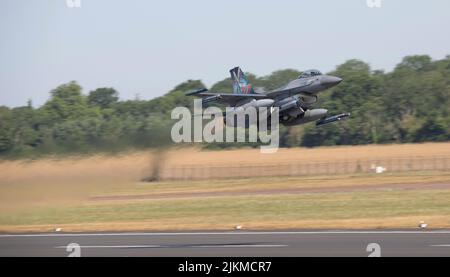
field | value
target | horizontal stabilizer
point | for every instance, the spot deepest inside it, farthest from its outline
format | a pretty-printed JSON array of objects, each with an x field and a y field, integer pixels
[{"x": 196, "y": 91}]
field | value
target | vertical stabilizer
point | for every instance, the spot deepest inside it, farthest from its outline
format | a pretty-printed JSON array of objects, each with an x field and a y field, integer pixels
[{"x": 240, "y": 82}]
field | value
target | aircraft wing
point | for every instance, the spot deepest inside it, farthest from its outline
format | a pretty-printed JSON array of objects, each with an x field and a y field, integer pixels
[
  {"x": 288, "y": 90},
  {"x": 285, "y": 92},
  {"x": 226, "y": 98}
]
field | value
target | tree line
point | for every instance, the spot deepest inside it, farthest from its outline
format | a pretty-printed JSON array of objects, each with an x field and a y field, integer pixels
[{"x": 409, "y": 104}]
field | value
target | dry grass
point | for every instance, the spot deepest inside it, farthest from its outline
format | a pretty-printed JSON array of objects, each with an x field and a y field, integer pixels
[
  {"x": 321, "y": 154},
  {"x": 380, "y": 209},
  {"x": 38, "y": 195},
  {"x": 134, "y": 166},
  {"x": 284, "y": 183},
  {"x": 403, "y": 222}
]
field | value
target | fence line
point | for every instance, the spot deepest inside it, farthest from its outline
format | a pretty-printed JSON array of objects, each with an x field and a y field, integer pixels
[{"x": 305, "y": 168}]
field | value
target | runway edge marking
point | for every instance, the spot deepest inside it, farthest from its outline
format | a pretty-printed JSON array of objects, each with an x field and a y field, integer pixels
[{"x": 224, "y": 233}]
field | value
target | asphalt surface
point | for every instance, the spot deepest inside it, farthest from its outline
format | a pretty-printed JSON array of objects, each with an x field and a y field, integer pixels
[{"x": 235, "y": 244}]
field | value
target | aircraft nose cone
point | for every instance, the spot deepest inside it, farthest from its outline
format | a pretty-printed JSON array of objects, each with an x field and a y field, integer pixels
[{"x": 330, "y": 81}]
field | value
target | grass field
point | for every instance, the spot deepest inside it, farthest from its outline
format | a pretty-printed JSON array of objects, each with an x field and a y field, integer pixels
[
  {"x": 132, "y": 166},
  {"x": 105, "y": 194}
]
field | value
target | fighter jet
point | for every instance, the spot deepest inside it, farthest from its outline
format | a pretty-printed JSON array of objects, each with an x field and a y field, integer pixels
[{"x": 294, "y": 100}]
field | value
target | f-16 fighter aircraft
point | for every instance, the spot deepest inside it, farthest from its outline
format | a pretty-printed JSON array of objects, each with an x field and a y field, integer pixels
[{"x": 294, "y": 99}]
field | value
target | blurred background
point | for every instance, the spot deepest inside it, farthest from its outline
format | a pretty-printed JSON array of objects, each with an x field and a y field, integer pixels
[{"x": 87, "y": 89}]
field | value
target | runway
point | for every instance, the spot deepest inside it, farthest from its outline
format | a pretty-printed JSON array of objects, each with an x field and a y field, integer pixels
[{"x": 234, "y": 244}]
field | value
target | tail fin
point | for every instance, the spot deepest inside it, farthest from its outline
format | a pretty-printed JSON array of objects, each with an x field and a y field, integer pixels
[{"x": 240, "y": 82}]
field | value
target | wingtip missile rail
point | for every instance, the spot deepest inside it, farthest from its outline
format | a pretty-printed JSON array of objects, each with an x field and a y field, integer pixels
[
  {"x": 211, "y": 98},
  {"x": 332, "y": 119}
]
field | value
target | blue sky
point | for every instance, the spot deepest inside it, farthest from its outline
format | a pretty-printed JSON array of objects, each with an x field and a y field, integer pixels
[{"x": 145, "y": 48}]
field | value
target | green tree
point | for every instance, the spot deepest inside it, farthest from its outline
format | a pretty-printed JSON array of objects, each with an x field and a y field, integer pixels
[
  {"x": 66, "y": 102},
  {"x": 409, "y": 104},
  {"x": 103, "y": 97},
  {"x": 6, "y": 124}
]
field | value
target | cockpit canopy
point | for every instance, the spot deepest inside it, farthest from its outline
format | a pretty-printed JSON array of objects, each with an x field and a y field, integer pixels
[{"x": 310, "y": 73}]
